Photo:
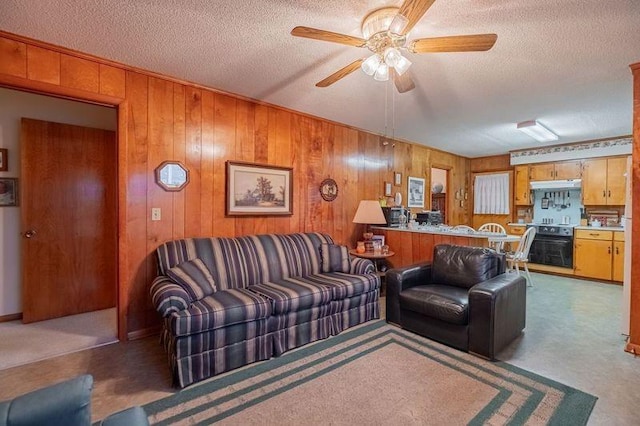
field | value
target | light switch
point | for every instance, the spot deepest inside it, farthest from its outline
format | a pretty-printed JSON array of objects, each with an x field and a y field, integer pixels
[{"x": 156, "y": 213}]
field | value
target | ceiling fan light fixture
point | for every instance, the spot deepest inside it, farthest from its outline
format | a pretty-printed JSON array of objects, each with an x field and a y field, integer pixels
[
  {"x": 403, "y": 65},
  {"x": 392, "y": 56},
  {"x": 537, "y": 131},
  {"x": 371, "y": 64},
  {"x": 398, "y": 24},
  {"x": 382, "y": 73}
]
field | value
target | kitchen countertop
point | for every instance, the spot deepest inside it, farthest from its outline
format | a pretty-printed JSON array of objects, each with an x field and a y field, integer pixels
[
  {"x": 437, "y": 231},
  {"x": 601, "y": 228}
]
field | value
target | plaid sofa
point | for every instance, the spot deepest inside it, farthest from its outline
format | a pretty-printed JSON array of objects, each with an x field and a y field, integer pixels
[{"x": 228, "y": 302}]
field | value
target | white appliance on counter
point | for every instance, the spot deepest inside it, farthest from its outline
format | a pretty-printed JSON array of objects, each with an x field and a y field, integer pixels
[{"x": 626, "y": 284}]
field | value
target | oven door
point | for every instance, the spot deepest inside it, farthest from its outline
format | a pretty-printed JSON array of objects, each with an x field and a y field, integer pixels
[{"x": 552, "y": 251}]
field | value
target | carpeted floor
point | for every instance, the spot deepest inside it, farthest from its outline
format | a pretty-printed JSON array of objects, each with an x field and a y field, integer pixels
[
  {"x": 376, "y": 374},
  {"x": 25, "y": 343}
]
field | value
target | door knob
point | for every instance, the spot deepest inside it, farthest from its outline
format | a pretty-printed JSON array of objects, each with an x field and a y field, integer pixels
[{"x": 30, "y": 233}]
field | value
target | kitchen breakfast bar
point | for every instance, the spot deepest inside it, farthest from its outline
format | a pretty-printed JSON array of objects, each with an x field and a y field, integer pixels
[{"x": 416, "y": 245}]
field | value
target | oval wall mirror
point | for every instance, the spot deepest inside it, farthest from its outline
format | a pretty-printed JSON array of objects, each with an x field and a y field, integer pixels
[{"x": 172, "y": 175}]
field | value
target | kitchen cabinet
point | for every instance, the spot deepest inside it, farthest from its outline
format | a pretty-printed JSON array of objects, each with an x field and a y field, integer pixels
[
  {"x": 556, "y": 171},
  {"x": 516, "y": 229},
  {"x": 599, "y": 254},
  {"x": 617, "y": 273},
  {"x": 603, "y": 181},
  {"x": 522, "y": 190}
]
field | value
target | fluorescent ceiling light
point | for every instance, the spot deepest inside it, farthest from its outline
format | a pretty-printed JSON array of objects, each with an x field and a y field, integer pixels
[{"x": 537, "y": 131}]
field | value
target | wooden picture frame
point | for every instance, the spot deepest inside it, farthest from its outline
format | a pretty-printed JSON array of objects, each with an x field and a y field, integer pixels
[
  {"x": 258, "y": 190},
  {"x": 397, "y": 178},
  {"x": 415, "y": 192},
  {"x": 4, "y": 160},
  {"x": 387, "y": 189},
  {"x": 172, "y": 176},
  {"x": 329, "y": 189},
  {"x": 8, "y": 192}
]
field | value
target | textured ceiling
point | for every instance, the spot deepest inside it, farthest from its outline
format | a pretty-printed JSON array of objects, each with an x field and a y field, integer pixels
[{"x": 562, "y": 62}]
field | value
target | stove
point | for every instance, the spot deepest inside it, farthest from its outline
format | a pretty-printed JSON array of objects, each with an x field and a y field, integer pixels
[
  {"x": 553, "y": 229},
  {"x": 552, "y": 245}
]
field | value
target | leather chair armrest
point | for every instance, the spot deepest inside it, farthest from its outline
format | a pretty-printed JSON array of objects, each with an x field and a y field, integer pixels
[
  {"x": 497, "y": 311},
  {"x": 399, "y": 279},
  {"x": 67, "y": 403},
  {"x": 134, "y": 416}
]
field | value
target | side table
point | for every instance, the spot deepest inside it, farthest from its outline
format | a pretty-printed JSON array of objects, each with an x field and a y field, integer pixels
[{"x": 376, "y": 258}]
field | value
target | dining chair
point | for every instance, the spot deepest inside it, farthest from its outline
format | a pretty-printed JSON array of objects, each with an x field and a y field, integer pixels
[
  {"x": 497, "y": 229},
  {"x": 521, "y": 256},
  {"x": 463, "y": 229}
]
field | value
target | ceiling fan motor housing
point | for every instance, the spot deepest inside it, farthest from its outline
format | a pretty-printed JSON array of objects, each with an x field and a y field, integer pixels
[{"x": 375, "y": 29}]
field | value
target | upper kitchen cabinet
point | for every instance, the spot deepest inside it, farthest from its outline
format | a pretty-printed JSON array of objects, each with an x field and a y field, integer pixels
[
  {"x": 556, "y": 171},
  {"x": 603, "y": 181},
  {"x": 522, "y": 190}
]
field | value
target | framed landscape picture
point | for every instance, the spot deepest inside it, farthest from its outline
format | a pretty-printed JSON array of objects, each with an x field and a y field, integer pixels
[
  {"x": 258, "y": 189},
  {"x": 8, "y": 192},
  {"x": 415, "y": 192}
]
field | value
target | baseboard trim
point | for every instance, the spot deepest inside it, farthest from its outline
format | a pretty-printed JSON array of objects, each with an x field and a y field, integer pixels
[
  {"x": 145, "y": 332},
  {"x": 632, "y": 348},
  {"x": 11, "y": 317}
]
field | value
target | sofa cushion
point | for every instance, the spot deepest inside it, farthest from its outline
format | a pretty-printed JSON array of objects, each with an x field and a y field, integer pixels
[
  {"x": 347, "y": 285},
  {"x": 445, "y": 303},
  {"x": 335, "y": 258},
  {"x": 220, "y": 309},
  {"x": 463, "y": 266},
  {"x": 294, "y": 293},
  {"x": 194, "y": 277}
]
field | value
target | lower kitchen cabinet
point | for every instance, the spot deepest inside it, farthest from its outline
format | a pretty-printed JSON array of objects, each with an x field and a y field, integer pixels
[
  {"x": 617, "y": 273},
  {"x": 599, "y": 254}
]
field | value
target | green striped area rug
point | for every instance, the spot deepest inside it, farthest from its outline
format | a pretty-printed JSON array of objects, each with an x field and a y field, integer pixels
[{"x": 375, "y": 374}]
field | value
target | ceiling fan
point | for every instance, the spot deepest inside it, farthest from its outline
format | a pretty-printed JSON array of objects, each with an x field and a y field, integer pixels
[{"x": 384, "y": 32}]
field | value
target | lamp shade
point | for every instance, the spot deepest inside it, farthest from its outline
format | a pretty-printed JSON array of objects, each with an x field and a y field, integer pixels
[{"x": 369, "y": 212}]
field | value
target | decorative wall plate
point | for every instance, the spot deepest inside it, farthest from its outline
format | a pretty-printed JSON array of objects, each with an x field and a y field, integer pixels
[{"x": 329, "y": 189}]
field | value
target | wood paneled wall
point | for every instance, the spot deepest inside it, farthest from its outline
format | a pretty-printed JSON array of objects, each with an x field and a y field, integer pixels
[{"x": 162, "y": 118}]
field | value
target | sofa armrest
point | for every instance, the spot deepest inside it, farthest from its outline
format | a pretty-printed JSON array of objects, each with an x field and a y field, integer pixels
[
  {"x": 67, "y": 403},
  {"x": 134, "y": 416},
  {"x": 497, "y": 311},
  {"x": 399, "y": 279},
  {"x": 360, "y": 266},
  {"x": 167, "y": 296}
]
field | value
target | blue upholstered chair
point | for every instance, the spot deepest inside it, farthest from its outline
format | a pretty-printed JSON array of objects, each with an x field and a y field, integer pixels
[{"x": 64, "y": 404}]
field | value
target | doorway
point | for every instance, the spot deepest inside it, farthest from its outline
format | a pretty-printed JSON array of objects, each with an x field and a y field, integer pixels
[
  {"x": 439, "y": 181},
  {"x": 15, "y": 104}
]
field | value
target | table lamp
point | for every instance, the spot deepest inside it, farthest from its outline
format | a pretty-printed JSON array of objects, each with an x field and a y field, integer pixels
[{"x": 369, "y": 213}]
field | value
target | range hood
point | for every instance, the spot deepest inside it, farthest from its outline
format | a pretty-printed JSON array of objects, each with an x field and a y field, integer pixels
[{"x": 557, "y": 184}]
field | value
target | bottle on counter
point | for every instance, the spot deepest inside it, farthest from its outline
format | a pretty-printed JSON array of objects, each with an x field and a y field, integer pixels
[{"x": 584, "y": 219}]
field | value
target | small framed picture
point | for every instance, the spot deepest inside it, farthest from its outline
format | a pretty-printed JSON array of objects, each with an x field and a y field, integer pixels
[
  {"x": 4, "y": 160},
  {"x": 397, "y": 178},
  {"x": 544, "y": 203},
  {"x": 378, "y": 238},
  {"x": 387, "y": 189},
  {"x": 8, "y": 192},
  {"x": 415, "y": 192}
]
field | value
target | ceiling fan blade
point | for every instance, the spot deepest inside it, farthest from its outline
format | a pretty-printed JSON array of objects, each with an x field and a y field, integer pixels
[
  {"x": 342, "y": 72},
  {"x": 464, "y": 43},
  {"x": 413, "y": 10},
  {"x": 328, "y": 36},
  {"x": 403, "y": 82}
]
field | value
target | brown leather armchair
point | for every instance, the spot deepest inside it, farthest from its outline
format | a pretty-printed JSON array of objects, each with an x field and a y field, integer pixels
[{"x": 463, "y": 299}]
